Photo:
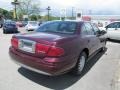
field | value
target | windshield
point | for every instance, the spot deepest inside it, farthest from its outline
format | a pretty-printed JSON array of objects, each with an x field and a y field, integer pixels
[
  {"x": 58, "y": 27},
  {"x": 10, "y": 22},
  {"x": 33, "y": 23}
]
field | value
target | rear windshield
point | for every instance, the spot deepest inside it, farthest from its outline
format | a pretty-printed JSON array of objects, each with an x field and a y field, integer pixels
[
  {"x": 33, "y": 23},
  {"x": 58, "y": 27},
  {"x": 10, "y": 22}
]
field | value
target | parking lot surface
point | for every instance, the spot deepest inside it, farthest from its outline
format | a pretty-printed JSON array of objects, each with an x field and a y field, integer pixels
[{"x": 99, "y": 73}]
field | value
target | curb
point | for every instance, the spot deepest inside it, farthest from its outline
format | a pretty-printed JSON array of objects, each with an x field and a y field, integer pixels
[{"x": 117, "y": 79}]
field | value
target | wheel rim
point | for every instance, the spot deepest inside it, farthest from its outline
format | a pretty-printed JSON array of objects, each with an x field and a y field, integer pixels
[{"x": 81, "y": 63}]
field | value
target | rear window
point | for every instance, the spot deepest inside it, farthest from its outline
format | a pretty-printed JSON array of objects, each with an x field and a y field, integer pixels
[
  {"x": 10, "y": 22},
  {"x": 33, "y": 23},
  {"x": 58, "y": 27}
]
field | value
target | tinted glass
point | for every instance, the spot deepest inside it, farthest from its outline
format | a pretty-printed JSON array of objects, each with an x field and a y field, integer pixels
[
  {"x": 10, "y": 22},
  {"x": 96, "y": 29},
  {"x": 83, "y": 30},
  {"x": 58, "y": 27},
  {"x": 114, "y": 25},
  {"x": 33, "y": 23},
  {"x": 118, "y": 24},
  {"x": 89, "y": 29}
]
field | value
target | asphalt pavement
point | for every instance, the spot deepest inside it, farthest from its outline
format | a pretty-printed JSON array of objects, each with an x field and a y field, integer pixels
[{"x": 99, "y": 73}]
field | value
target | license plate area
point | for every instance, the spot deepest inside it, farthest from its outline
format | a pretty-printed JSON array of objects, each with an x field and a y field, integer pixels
[{"x": 27, "y": 45}]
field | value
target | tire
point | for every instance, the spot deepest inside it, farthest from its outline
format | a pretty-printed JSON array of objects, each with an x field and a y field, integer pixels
[
  {"x": 77, "y": 70},
  {"x": 103, "y": 48},
  {"x": 108, "y": 39},
  {"x": 1, "y": 25},
  {"x": 4, "y": 31}
]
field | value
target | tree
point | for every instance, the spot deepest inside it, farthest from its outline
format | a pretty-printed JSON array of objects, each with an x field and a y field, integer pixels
[
  {"x": 6, "y": 14},
  {"x": 50, "y": 17},
  {"x": 28, "y": 7},
  {"x": 33, "y": 17}
]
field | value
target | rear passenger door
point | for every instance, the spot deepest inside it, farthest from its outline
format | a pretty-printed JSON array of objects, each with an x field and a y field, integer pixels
[
  {"x": 101, "y": 39},
  {"x": 91, "y": 37}
]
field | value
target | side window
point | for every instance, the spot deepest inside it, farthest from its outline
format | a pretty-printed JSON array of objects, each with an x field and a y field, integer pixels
[
  {"x": 118, "y": 24},
  {"x": 113, "y": 25},
  {"x": 89, "y": 29},
  {"x": 83, "y": 30},
  {"x": 96, "y": 29}
]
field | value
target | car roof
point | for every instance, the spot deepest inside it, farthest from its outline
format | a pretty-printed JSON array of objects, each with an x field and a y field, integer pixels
[
  {"x": 114, "y": 22},
  {"x": 9, "y": 21},
  {"x": 32, "y": 21},
  {"x": 78, "y": 21}
]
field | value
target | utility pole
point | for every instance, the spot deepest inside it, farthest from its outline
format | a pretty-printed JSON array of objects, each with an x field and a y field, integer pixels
[
  {"x": 15, "y": 3},
  {"x": 72, "y": 12},
  {"x": 63, "y": 14},
  {"x": 48, "y": 9},
  {"x": 90, "y": 12}
]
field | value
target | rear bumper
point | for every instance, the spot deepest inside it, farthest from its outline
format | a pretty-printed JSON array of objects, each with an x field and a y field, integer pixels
[
  {"x": 32, "y": 69},
  {"x": 11, "y": 30},
  {"x": 31, "y": 29},
  {"x": 39, "y": 65}
]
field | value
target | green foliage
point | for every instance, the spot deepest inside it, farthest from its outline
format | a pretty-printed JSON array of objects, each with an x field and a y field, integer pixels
[
  {"x": 33, "y": 18},
  {"x": 6, "y": 14},
  {"x": 50, "y": 18},
  {"x": 28, "y": 7}
]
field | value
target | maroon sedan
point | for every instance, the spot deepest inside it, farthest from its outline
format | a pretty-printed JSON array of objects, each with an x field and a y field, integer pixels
[{"x": 58, "y": 47}]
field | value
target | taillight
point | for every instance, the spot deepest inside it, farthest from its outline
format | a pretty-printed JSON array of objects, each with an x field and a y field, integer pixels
[
  {"x": 55, "y": 51},
  {"x": 41, "y": 48},
  {"x": 48, "y": 50},
  {"x": 14, "y": 42}
]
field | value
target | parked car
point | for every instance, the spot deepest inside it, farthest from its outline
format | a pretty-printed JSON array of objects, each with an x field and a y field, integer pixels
[
  {"x": 32, "y": 25},
  {"x": 24, "y": 23},
  {"x": 19, "y": 24},
  {"x": 58, "y": 47},
  {"x": 10, "y": 27},
  {"x": 1, "y": 21},
  {"x": 113, "y": 31}
]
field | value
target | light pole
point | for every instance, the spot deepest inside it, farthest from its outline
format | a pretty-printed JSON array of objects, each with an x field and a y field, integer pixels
[
  {"x": 15, "y": 3},
  {"x": 72, "y": 12},
  {"x": 48, "y": 9}
]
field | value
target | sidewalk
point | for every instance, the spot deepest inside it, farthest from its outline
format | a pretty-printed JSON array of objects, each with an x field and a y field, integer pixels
[{"x": 117, "y": 79}]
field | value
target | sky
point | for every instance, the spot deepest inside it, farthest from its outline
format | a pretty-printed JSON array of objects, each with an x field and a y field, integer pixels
[{"x": 95, "y": 6}]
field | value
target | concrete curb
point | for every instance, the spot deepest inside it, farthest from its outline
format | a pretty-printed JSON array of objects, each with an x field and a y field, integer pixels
[{"x": 117, "y": 79}]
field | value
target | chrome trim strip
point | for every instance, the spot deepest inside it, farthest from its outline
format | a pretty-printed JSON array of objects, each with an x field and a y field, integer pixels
[{"x": 32, "y": 69}]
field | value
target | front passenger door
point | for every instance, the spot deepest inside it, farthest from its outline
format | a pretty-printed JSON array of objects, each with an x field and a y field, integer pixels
[
  {"x": 101, "y": 38},
  {"x": 93, "y": 40}
]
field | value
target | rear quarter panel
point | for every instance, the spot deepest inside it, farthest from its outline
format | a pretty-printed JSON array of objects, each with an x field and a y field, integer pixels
[{"x": 72, "y": 47}]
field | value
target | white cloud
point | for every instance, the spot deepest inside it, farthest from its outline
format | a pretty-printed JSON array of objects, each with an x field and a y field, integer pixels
[
  {"x": 98, "y": 5},
  {"x": 6, "y": 4}
]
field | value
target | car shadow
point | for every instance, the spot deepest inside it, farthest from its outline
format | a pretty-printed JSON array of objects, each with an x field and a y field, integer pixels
[
  {"x": 59, "y": 82},
  {"x": 114, "y": 41},
  {"x": 12, "y": 32}
]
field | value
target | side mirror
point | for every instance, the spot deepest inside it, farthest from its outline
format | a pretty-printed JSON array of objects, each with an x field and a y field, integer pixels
[{"x": 103, "y": 32}]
